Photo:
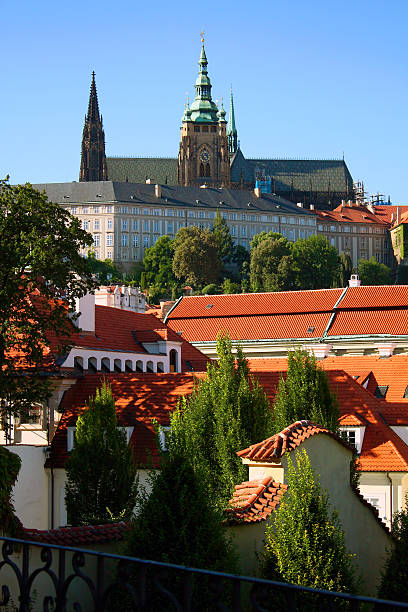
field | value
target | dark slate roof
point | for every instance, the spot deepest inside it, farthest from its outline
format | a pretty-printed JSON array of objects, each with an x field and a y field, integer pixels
[
  {"x": 306, "y": 174},
  {"x": 137, "y": 169},
  {"x": 172, "y": 195}
]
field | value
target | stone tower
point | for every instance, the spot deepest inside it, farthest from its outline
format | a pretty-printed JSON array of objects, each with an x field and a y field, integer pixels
[
  {"x": 93, "y": 158},
  {"x": 232, "y": 133},
  {"x": 203, "y": 156}
]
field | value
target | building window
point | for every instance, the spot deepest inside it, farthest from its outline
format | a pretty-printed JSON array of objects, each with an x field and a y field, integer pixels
[
  {"x": 146, "y": 211},
  {"x": 97, "y": 240},
  {"x": 243, "y": 231},
  {"x": 125, "y": 240},
  {"x": 145, "y": 226},
  {"x": 135, "y": 225},
  {"x": 233, "y": 231},
  {"x": 164, "y": 435},
  {"x": 243, "y": 217},
  {"x": 201, "y": 214},
  {"x": 191, "y": 214},
  {"x": 170, "y": 227},
  {"x": 381, "y": 391},
  {"x": 124, "y": 210},
  {"x": 169, "y": 212},
  {"x": 135, "y": 240},
  {"x": 291, "y": 220},
  {"x": 125, "y": 224},
  {"x": 109, "y": 239},
  {"x": 196, "y": 128},
  {"x": 97, "y": 224},
  {"x": 156, "y": 212},
  {"x": 283, "y": 219},
  {"x": 156, "y": 226},
  {"x": 135, "y": 210},
  {"x": 110, "y": 224},
  {"x": 85, "y": 225},
  {"x": 181, "y": 213},
  {"x": 145, "y": 241},
  {"x": 349, "y": 435},
  {"x": 108, "y": 209},
  {"x": 233, "y": 216},
  {"x": 74, "y": 210},
  {"x": 85, "y": 210}
]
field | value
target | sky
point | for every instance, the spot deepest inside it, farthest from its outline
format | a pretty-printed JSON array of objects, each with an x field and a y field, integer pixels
[{"x": 312, "y": 79}]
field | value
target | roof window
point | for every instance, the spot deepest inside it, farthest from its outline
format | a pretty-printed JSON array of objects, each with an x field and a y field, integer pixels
[
  {"x": 310, "y": 330},
  {"x": 406, "y": 393},
  {"x": 381, "y": 391},
  {"x": 209, "y": 305}
]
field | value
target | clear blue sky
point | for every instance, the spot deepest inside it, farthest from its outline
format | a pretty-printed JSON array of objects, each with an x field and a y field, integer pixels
[{"x": 311, "y": 79}]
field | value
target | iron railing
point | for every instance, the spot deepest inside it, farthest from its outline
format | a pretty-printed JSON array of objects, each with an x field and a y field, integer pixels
[{"x": 55, "y": 578}]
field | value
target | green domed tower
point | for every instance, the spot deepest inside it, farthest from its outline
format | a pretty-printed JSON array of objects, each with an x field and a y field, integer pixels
[{"x": 203, "y": 156}]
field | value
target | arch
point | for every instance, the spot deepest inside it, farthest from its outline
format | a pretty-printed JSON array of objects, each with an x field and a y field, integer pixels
[
  {"x": 207, "y": 170},
  {"x": 105, "y": 364},
  {"x": 173, "y": 360},
  {"x": 201, "y": 173},
  {"x": 128, "y": 365},
  {"x": 149, "y": 366},
  {"x": 79, "y": 363},
  {"x": 139, "y": 366},
  {"x": 160, "y": 366},
  {"x": 117, "y": 365},
  {"x": 92, "y": 365}
]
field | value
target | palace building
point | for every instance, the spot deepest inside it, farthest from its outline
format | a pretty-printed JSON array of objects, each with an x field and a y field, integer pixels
[{"x": 210, "y": 154}]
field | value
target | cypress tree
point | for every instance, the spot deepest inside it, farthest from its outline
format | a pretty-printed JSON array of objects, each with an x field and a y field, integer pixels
[
  {"x": 304, "y": 542},
  {"x": 394, "y": 583},
  {"x": 101, "y": 471},
  {"x": 305, "y": 394}
]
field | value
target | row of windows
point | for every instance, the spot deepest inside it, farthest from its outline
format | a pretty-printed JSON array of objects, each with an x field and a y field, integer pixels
[{"x": 348, "y": 228}]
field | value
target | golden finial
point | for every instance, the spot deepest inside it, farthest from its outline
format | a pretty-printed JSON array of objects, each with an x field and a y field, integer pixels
[{"x": 202, "y": 36}]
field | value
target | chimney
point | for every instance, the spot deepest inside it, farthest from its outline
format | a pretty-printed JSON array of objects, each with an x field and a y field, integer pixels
[
  {"x": 386, "y": 350},
  {"x": 85, "y": 306},
  {"x": 354, "y": 281},
  {"x": 350, "y": 204},
  {"x": 311, "y": 206},
  {"x": 343, "y": 203},
  {"x": 148, "y": 181},
  {"x": 157, "y": 191},
  {"x": 257, "y": 192},
  {"x": 299, "y": 205},
  {"x": 392, "y": 217}
]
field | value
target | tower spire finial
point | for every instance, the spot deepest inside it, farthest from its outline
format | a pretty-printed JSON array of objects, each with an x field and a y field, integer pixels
[
  {"x": 202, "y": 36},
  {"x": 93, "y": 158},
  {"x": 232, "y": 133}
]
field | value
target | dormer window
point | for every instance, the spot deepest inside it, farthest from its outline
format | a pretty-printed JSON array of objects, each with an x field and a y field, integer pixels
[
  {"x": 354, "y": 436},
  {"x": 381, "y": 391}
]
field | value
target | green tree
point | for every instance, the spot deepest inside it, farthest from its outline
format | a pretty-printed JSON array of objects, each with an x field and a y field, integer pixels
[
  {"x": 105, "y": 270},
  {"x": 196, "y": 258},
  {"x": 10, "y": 464},
  {"x": 262, "y": 236},
  {"x": 316, "y": 263},
  {"x": 101, "y": 472},
  {"x": 305, "y": 543},
  {"x": 229, "y": 287},
  {"x": 211, "y": 289},
  {"x": 345, "y": 269},
  {"x": 41, "y": 274},
  {"x": 157, "y": 264},
  {"x": 394, "y": 583},
  {"x": 223, "y": 237},
  {"x": 305, "y": 394},
  {"x": 402, "y": 275},
  {"x": 227, "y": 411},
  {"x": 271, "y": 265},
  {"x": 373, "y": 273}
]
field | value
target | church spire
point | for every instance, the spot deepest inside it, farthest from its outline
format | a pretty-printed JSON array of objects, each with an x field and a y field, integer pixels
[
  {"x": 232, "y": 133},
  {"x": 203, "y": 109},
  {"x": 93, "y": 158}
]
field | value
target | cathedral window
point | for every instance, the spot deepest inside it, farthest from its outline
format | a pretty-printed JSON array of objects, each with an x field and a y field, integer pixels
[
  {"x": 202, "y": 169},
  {"x": 207, "y": 170},
  {"x": 196, "y": 128},
  {"x": 205, "y": 128}
]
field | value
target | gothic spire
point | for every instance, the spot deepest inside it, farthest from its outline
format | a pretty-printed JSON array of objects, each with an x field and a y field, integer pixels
[
  {"x": 93, "y": 158},
  {"x": 232, "y": 133},
  {"x": 203, "y": 109}
]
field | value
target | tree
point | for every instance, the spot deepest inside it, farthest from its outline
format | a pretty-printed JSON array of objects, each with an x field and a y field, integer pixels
[
  {"x": 345, "y": 269},
  {"x": 270, "y": 267},
  {"x": 229, "y": 287},
  {"x": 394, "y": 583},
  {"x": 157, "y": 264},
  {"x": 262, "y": 236},
  {"x": 41, "y": 274},
  {"x": 222, "y": 235},
  {"x": 373, "y": 273},
  {"x": 305, "y": 543},
  {"x": 305, "y": 394},
  {"x": 316, "y": 263},
  {"x": 105, "y": 271},
  {"x": 10, "y": 464},
  {"x": 227, "y": 411},
  {"x": 196, "y": 258},
  {"x": 101, "y": 471}
]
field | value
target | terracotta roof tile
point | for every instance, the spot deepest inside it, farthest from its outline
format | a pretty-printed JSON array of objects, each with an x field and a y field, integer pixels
[
  {"x": 254, "y": 501},
  {"x": 352, "y": 214},
  {"x": 78, "y": 536}
]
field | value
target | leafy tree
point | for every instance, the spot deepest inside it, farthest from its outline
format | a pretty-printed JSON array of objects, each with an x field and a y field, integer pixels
[
  {"x": 223, "y": 237},
  {"x": 157, "y": 264},
  {"x": 239, "y": 256},
  {"x": 305, "y": 394},
  {"x": 345, "y": 269},
  {"x": 101, "y": 471},
  {"x": 229, "y": 287},
  {"x": 9, "y": 468},
  {"x": 211, "y": 289},
  {"x": 262, "y": 236},
  {"x": 394, "y": 583},
  {"x": 41, "y": 274},
  {"x": 105, "y": 271},
  {"x": 270, "y": 267},
  {"x": 402, "y": 275},
  {"x": 227, "y": 411},
  {"x": 196, "y": 258},
  {"x": 316, "y": 263},
  {"x": 304, "y": 542},
  {"x": 373, "y": 273}
]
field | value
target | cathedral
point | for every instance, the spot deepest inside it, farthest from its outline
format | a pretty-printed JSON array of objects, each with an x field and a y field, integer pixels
[{"x": 210, "y": 154}]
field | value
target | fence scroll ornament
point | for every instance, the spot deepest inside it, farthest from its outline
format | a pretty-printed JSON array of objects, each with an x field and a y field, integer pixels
[{"x": 146, "y": 586}]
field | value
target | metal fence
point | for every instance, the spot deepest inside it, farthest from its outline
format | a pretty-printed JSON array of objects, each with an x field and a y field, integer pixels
[{"x": 35, "y": 576}]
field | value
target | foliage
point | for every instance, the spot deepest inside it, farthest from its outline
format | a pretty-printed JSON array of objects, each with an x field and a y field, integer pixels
[
  {"x": 41, "y": 274},
  {"x": 402, "y": 275},
  {"x": 394, "y": 583},
  {"x": 196, "y": 258},
  {"x": 373, "y": 273},
  {"x": 101, "y": 470},
  {"x": 211, "y": 289},
  {"x": 227, "y": 412},
  {"x": 270, "y": 267},
  {"x": 223, "y": 238},
  {"x": 305, "y": 394},
  {"x": 157, "y": 264},
  {"x": 316, "y": 263},
  {"x": 345, "y": 269},
  {"x": 229, "y": 287},
  {"x": 10, "y": 464},
  {"x": 305, "y": 543},
  {"x": 105, "y": 271},
  {"x": 240, "y": 256},
  {"x": 257, "y": 239}
]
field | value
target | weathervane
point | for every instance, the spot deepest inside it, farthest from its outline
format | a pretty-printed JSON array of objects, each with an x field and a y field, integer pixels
[{"x": 202, "y": 36}]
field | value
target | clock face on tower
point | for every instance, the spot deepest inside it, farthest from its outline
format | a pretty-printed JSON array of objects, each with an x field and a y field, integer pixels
[{"x": 204, "y": 156}]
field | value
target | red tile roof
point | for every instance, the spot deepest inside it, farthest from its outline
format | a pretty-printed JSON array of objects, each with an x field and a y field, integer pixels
[
  {"x": 140, "y": 400},
  {"x": 351, "y": 214},
  {"x": 78, "y": 536},
  {"x": 272, "y": 449},
  {"x": 255, "y": 500},
  {"x": 386, "y": 212},
  {"x": 371, "y": 296}
]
